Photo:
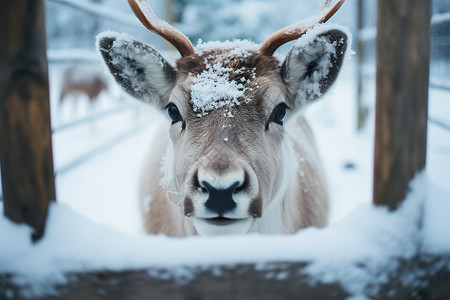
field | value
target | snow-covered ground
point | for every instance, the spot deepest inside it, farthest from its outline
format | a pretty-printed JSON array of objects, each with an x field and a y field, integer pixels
[{"x": 96, "y": 223}]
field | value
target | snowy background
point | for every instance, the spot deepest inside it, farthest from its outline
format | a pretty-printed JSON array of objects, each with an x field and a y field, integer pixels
[{"x": 98, "y": 160}]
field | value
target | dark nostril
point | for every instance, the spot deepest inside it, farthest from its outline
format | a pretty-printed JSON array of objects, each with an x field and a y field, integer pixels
[
  {"x": 196, "y": 184},
  {"x": 220, "y": 201},
  {"x": 240, "y": 188},
  {"x": 244, "y": 184},
  {"x": 202, "y": 189}
]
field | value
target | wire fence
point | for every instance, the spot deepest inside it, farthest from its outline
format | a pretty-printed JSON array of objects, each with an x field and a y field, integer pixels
[
  {"x": 439, "y": 60},
  {"x": 85, "y": 55}
]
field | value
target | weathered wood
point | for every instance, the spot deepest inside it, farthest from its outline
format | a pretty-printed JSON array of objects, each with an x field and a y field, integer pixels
[
  {"x": 425, "y": 277},
  {"x": 403, "y": 52},
  {"x": 25, "y": 133}
]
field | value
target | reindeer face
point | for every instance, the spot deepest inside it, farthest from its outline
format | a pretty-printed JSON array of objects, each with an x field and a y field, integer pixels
[
  {"x": 227, "y": 114},
  {"x": 228, "y": 103}
]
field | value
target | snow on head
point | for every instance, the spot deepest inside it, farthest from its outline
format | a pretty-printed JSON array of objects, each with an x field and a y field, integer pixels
[
  {"x": 213, "y": 89},
  {"x": 235, "y": 45},
  {"x": 220, "y": 86}
]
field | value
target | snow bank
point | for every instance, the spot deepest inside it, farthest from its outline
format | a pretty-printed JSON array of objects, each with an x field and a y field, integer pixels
[{"x": 370, "y": 235}]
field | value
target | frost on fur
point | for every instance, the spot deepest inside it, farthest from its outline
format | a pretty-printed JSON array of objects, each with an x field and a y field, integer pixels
[
  {"x": 214, "y": 89},
  {"x": 219, "y": 85},
  {"x": 313, "y": 63},
  {"x": 137, "y": 67}
]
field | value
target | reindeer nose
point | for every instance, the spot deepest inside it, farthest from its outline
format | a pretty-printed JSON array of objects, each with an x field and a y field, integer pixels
[{"x": 220, "y": 201}]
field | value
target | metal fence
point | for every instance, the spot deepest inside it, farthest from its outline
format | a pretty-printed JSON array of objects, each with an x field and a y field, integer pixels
[
  {"x": 365, "y": 41},
  {"x": 86, "y": 55}
]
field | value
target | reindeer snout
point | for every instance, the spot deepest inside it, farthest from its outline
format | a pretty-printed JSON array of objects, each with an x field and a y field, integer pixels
[
  {"x": 220, "y": 201},
  {"x": 223, "y": 197},
  {"x": 223, "y": 189}
]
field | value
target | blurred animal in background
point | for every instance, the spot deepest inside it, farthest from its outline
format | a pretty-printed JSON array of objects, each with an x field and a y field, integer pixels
[{"x": 83, "y": 79}]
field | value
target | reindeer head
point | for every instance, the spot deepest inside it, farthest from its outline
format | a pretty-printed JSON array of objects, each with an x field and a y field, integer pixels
[{"x": 228, "y": 103}]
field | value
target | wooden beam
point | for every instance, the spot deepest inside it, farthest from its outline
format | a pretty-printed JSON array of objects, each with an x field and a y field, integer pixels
[
  {"x": 403, "y": 55},
  {"x": 25, "y": 132},
  {"x": 423, "y": 277}
]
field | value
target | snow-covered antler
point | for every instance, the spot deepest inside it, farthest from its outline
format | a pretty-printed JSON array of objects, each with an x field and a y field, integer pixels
[
  {"x": 145, "y": 14},
  {"x": 294, "y": 31}
]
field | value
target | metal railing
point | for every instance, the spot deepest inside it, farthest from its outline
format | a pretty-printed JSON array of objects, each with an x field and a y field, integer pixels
[
  {"x": 100, "y": 115},
  {"x": 93, "y": 152}
]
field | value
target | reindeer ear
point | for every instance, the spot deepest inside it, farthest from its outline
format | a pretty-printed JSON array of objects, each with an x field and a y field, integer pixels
[
  {"x": 313, "y": 63},
  {"x": 137, "y": 67}
]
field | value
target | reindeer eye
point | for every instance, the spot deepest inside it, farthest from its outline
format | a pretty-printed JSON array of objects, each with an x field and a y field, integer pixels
[
  {"x": 278, "y": 114},
  {"x": 174, "y": 113}
]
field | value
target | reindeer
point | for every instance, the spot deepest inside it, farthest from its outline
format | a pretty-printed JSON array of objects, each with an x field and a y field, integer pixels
[
  {"x": 240, "y": 156},
  {"x": 83, "y": 79}
]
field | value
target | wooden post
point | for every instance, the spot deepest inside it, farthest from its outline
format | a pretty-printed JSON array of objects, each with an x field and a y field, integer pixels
[
  {"x": 25, "y": 132},
  {"x": 403, "y": 56}
]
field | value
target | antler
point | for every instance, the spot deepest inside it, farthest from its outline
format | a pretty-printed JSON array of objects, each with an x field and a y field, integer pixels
[
  {"x": 294, "y": 31},
  {"x": 145, "y": 14}
]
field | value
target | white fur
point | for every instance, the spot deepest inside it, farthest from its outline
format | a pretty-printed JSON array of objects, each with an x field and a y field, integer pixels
[
  {"x": 221, "y": 182},
  {"x": 272, "y": 219}
]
